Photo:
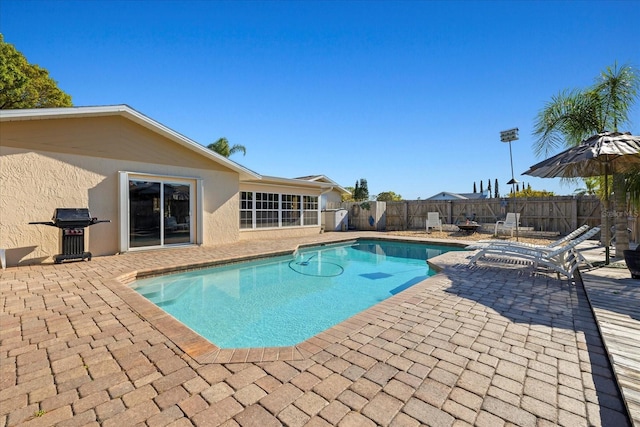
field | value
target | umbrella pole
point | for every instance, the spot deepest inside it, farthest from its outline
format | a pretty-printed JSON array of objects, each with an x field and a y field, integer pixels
[{"x": 607, "y": 231}]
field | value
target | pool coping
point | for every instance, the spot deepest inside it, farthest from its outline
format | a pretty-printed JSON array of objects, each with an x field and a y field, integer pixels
[{"x": 204, "y": 351}]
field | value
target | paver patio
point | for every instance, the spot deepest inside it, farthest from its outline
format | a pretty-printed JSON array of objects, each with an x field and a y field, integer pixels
[{"x": 486, "y": 345}]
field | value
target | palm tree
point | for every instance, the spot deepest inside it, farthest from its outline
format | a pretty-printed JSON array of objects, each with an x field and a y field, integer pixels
[
  {"x": 633, "y": 188},
  {"x": 591, "y": 187},
  {"x": 221, "y": 146},
  {"x": 572, "y": 116}
]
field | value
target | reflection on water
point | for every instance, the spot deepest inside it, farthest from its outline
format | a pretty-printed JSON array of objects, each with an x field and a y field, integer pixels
[{"x": 284, "y": 300}]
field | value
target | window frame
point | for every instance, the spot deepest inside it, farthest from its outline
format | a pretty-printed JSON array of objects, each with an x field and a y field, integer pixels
[
  {"x": 289, "y": 209},
  {"x": 247, "y": 212},
  {"x": 311, "y": 206},
  {"x": 266, "y": 209},
  {"x": 196, "y": 198}
]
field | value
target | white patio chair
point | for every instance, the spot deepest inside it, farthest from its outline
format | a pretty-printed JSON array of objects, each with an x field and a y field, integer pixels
[
  {"x": 433, "y": 221},
  {"x": 563, "y": 260},
  {"x": 509, "y": 223}
]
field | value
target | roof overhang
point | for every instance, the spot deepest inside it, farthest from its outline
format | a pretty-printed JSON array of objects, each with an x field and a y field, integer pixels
[
  {"x": 290, "y": 182},
  {"x": 136, "y": 117},
  {"x": 447, "y": 193},
  {"x": 325, "y": 179}
]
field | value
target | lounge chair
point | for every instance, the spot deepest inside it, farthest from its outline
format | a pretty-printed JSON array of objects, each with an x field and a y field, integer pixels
[
  {"x": 433, "y": 221},
  {"x": 509, "y": 223},
  {"x": 575, "y": 233},
  {"x": 563, "y": 259}
]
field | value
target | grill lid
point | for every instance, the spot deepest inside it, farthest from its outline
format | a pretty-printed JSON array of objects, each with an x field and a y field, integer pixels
[
  {"x": 71, "y": 214},
  {"x": 71, "y": 217}
]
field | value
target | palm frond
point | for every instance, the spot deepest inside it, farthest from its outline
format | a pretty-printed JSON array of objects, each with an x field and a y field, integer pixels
[
  {"x": 237, "y": 148},
  {"x": 567, "y": 119},
  {"x": 632, "y": 181},
  {"x": 618, "y": 89}
]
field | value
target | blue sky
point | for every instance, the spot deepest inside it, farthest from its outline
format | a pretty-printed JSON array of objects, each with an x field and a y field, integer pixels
[{"x": 411, "y": 96}]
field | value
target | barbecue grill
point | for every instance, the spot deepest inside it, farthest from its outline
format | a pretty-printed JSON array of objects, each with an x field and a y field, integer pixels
[{"x": 71, "y": 222}]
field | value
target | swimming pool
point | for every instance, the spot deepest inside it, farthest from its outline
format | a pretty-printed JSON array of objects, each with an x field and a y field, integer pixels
[{"x": 284, "y": 300}]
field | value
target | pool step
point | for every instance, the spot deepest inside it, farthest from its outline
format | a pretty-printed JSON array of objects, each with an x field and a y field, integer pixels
[{"x": 166, "y": 292}]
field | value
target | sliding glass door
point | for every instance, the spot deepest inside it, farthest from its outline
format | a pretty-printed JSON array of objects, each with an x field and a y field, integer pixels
[{"x": 159, "y": 213}]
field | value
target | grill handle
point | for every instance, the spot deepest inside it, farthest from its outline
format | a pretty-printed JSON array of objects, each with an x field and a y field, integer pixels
[
  {"x": 95, "y": 221},
  {"x": 45, "y": 223}
]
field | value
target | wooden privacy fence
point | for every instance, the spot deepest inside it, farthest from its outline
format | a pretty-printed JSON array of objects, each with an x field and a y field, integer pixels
[{"x": 559, "y": 214}]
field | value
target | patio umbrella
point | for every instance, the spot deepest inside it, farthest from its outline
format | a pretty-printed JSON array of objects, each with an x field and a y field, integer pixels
[{"x": 598, "y": 155}]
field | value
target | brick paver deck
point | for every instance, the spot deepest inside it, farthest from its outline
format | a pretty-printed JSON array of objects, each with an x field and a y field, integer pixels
[
  {"x": 485, "y": 346},
  {"x": 615, "y": 301}
]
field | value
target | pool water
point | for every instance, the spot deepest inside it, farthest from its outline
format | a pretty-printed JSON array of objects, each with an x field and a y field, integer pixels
[{"x": 285, "y": 300}]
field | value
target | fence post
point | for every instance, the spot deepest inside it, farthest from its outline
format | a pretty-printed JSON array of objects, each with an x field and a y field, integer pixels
[{"x": 406, "y": 215}]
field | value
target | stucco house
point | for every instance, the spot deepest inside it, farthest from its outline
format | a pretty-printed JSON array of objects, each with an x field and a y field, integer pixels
[
  {"x": 157, "y": 187},
  {"x": 331, "y": 197},
  {"x": 447, "y": 195}
]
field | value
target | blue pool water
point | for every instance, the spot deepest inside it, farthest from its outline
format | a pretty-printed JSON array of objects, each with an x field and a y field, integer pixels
[{"x": 285, "y": 300}]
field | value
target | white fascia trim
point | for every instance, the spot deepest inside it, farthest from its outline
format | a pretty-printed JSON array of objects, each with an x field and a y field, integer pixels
[
  {"x": 287, "y": 182},
  {"x": 298, "y": 188},
  {"x": 326, "y": 191},
  {"x": 134, "y": 116},
  {"x": 318, "y": 178}
]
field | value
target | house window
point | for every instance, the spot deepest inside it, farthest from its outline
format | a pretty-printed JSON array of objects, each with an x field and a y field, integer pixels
[
  {"x": 310, "y": 210},
  {"x": 246, "y": 209},
  {"x": 291, "y": 210},
  {"x": 274, "y": 210},
  {"x": 267, "y": 210}
]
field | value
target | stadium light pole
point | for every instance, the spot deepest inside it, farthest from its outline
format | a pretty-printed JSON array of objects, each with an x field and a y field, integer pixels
[{"x": 508, "y": 136}]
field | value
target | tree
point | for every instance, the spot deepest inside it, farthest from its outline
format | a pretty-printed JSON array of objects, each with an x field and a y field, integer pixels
[
  {"x": 481, "y": 189},
  {"x": 489, "y": 187},
  {"x": 24, "y": 85},
  {"x": 388, "y": 196},
  {"x": 221, "y": 146},
  {"x": 348, "y": 197},
  {"x": 572, "y": 116},
  {"x": 364, "y": 187},
  {"x": 591, "y": 187},
  {"x": 633, "y": 184},
  {"x": 528, "y": 192},
  {"x": 474, "y": 187},
  {"x": 361, "y": 192},
  {"x": 497, "y": 193}
]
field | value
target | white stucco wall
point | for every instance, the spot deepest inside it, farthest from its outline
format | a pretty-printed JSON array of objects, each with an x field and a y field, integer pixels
[
  {"x": 74, "y": 162},
  {"x": 280, "y": 233},
  {"x": 34, "y": 183},
  {"x": 331, "y": 199}
]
